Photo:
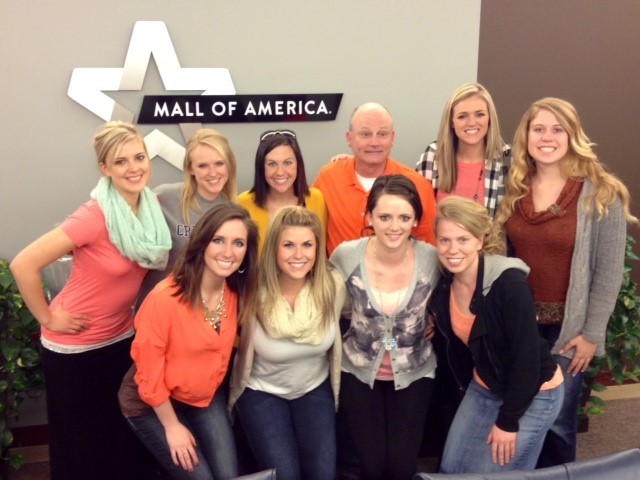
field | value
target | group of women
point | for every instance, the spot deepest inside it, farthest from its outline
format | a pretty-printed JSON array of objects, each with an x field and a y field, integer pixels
[
  {"x": 561, "y": 213},
  {"x": 514, "y": 334}
]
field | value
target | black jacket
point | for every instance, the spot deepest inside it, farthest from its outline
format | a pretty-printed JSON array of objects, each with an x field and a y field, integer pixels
[{"x": 504, "y": 345}]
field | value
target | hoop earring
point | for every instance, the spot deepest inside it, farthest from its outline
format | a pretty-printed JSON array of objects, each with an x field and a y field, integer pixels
[{"x": 242, "y": 270}]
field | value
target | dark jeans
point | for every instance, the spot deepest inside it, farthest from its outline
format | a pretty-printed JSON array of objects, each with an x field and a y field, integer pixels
[
  {"x": 211, "y": 428},
  {"x": 385, "y": 424},
  {"x": 561, "y": 441},
  {"x": 296, "y": 437}
]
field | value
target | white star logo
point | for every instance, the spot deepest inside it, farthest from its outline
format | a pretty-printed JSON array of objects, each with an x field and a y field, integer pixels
[{"x": 87, "y": 85}]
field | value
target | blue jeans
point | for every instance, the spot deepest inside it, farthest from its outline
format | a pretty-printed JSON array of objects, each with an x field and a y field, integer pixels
[
  {"x": 211, "y": 428},
  {"x": 466, "y": 449},
  {"x": 561, "y": 441},
  {"x": 296, "y": 437}
]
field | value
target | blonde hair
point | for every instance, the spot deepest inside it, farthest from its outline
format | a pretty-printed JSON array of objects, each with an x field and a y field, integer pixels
[
  {"x": 110, "y": 137},
  {"x": 217, "y": 141},
  {"x": 445, "y": 155},
  {"x": 580, "y": 162},
  {"x": 475, "y": 219},
  {"x": 323, "y": 287}
]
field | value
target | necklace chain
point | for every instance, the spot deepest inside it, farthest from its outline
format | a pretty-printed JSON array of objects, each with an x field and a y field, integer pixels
[
  {"x": 475, "y": 195},
  {"x": 389, "y": 343},
  {"x": 214, "y": 316},
  {"x": 379, "y": 274}
]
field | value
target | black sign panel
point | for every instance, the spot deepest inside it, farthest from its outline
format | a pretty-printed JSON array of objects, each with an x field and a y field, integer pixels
[{"x": 166, "y": 109}]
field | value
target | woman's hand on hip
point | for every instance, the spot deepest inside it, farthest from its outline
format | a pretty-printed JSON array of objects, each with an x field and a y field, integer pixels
[
  {"x": 503, "y": 445},
  {"x": 63, "y": 321},
  {"x": 585, "y": 350}
]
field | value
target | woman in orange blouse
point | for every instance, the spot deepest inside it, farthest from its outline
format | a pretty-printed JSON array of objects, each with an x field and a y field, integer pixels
[{"x": 185, "y": 330}]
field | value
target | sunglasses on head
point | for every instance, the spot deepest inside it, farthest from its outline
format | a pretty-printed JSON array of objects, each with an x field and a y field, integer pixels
[{"x": 286, "y": 133}]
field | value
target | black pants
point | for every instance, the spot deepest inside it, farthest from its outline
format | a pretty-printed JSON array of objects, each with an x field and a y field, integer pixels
[
  {"x": 385, "y": 425},
  {"x": 88, "y": 436}
]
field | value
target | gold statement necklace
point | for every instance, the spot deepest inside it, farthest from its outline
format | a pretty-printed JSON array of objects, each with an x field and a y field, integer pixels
[{"x": 214, "y": 316}]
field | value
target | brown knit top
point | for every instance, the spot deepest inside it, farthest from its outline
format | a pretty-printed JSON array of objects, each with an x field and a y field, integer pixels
[{"x": 544, "y": 241}]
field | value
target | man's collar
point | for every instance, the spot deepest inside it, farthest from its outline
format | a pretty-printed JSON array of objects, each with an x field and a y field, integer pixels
[{"x": 384, "y": 171}]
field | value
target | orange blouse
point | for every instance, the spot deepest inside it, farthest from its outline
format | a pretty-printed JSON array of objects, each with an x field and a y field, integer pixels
[{"x": 176, "y": 352}]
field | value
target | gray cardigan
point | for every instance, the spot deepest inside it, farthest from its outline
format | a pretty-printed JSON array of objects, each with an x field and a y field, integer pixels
[
  {"x": 363, "y": 345},
  {"x": 596, "y": 274}
]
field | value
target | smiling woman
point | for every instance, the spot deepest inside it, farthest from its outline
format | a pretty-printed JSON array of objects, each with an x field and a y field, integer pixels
[
  {"x": 209, "y": 172},
  {"x": 469, "y": 159},
  {"x": 129, "y": 170},
  {"x": 86, "y": 331},
  {"x": 388, "y": 365},
  {"x": 173, "y": 396},
  {"x": 487, "y": 342},
  {"x": 560, "y": 197},
  {"x": 279, "y": 181},
  {"x": 287, "y": 372}
]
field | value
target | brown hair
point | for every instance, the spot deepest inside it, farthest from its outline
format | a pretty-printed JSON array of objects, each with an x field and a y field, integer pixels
[{"x": 187, "y": 272}]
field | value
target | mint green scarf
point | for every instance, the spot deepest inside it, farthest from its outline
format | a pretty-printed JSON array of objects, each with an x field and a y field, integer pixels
[{"x": 145, "y": 238}]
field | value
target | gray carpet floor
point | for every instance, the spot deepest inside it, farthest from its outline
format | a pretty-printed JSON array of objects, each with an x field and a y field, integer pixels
[{"x": 617, "y": 429}]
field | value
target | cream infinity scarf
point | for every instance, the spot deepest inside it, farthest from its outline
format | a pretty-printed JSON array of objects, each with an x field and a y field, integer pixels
[
  {"x": 304, "y": 325},
  {"x": 145, "y": 238}
]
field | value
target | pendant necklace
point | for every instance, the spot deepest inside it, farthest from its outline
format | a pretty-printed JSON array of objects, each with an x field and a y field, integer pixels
[
  {"x": 214, "y": 316},
  {"x": 475, "y": 196},
  {"x": 389, "y": 343},
  {"x": 478, "y": 183}
]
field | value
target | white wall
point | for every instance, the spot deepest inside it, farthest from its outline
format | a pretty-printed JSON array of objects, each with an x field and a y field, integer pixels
[{"x": 408, "y": 55}]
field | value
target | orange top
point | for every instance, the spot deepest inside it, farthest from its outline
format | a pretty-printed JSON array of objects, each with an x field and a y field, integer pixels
[
  {"x": 460, "y": 323},
  {"x": 177, "y": 353},
  {"x": 346, "y": 200}
]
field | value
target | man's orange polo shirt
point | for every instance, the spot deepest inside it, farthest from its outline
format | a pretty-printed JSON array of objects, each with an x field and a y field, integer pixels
[{"x": 346, "y": 200}]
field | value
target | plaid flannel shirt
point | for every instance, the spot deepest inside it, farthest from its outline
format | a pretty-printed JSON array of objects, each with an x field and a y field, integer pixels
[{"x": 495, "y": 175}]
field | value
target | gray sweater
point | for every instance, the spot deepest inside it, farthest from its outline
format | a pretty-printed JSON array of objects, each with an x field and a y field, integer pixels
[
  {"x": 596, "y": 274},
  {"x": 169, "y": 196},
  {"x": 412, "y": 356}
]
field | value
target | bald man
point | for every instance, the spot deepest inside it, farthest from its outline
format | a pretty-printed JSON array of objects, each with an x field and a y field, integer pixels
[{"x": 346, "y": 182}]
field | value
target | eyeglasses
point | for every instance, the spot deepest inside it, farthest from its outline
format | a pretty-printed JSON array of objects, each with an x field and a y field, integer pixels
[{"x": 286, "y": 133}]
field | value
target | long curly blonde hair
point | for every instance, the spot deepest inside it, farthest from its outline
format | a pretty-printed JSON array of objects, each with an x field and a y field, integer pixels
[{"x": 580, "y": 162}]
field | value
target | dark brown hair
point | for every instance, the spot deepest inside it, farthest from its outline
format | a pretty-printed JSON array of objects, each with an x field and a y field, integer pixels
[
  {"x": 188, "y": 269},
  {"x": 260, "y": 186}
]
